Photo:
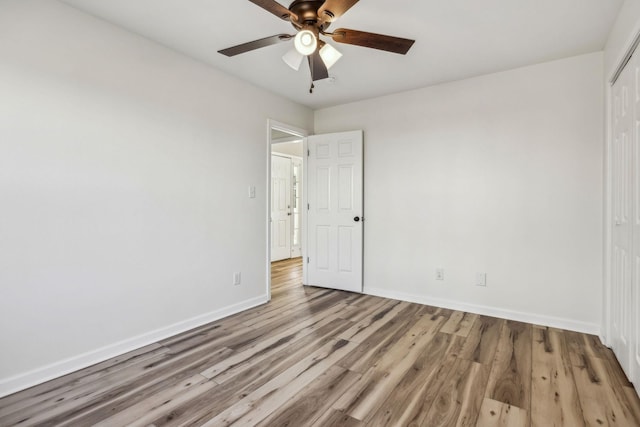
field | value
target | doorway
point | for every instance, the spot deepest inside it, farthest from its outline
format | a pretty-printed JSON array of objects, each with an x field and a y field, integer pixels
[
  {"x": 328, "y": 200},
  {"x": 285, "y": 183},
  {"x": 286, "y": 195}
]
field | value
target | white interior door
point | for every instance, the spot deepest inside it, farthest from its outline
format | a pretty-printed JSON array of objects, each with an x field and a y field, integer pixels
[
  {"x": 625, "y": 263},
  {"x": 335, "y": 211},
  {"x": 634, "y": 302},
  {"x": 622, "y": 239},
  {"x": 280, "y": 208}
]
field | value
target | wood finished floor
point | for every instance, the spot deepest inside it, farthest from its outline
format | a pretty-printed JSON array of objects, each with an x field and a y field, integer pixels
[{"x": 317, "y": 357}]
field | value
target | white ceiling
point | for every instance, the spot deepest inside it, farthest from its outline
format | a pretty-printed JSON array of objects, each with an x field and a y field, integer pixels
[{"x": 455, "y": 39}]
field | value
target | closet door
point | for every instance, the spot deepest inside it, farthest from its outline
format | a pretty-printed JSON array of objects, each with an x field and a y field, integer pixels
[
  {"x": 625, "y": 265},
  {"x": 624, "y": 304},
  {"x": 634, "y": 136}
]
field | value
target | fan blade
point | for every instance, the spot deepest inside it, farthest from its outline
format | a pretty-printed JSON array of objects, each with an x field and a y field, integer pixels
[
  {"x": 318, "y": 69},
  {"x": 372, "y": 40},
  {"x": 276, "y": 8},
  {"x": 256, "y": 44},
  {"x": 334, "y": 9}
]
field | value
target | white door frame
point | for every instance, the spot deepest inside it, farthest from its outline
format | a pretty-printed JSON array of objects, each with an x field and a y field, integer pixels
[
  {"x": 273, "y": 124},
  {"x": 605, "y": 330},
  {"x": 300, "y": 183}
]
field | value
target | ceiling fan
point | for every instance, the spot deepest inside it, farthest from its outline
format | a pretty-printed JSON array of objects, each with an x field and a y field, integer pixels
[{"x": 311, "y": 19}]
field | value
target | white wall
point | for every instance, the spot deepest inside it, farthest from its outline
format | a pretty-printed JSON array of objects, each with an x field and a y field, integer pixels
[
  {"x": 499, "y": 174},
  {"x": 124, "y": 211},
  {"x": 289, "y": 148}
]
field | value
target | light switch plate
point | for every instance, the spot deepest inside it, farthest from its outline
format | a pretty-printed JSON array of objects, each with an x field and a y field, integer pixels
[{"x": 481, "y": 279}]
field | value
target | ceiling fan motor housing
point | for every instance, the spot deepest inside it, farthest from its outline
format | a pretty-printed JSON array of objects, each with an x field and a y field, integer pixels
[{"x": 307, "y": 13}]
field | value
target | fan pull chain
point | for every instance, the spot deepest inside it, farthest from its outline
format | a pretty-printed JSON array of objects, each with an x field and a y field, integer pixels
[{"x": 311, "y": 88}]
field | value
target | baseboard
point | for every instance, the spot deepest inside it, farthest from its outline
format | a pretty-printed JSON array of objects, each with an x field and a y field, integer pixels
[
  {"x": 537, "y": 319},
  {"x": 40, "y": 375}
]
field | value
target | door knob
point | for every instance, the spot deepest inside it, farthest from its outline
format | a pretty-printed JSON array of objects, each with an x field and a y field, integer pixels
[{"x": 356, "y": 219}]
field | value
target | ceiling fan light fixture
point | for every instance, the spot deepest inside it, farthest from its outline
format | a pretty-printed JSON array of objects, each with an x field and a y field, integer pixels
[
  {"x": 293, "y": 59},
  {"x": 330, "y": 55},
  {"x": 311, "y": 19},
  {"x": 305, "y": 42}
]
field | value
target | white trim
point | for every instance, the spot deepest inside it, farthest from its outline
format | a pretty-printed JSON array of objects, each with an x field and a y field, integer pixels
[
  {"x": 305, "y": 212},
  {"x": 296, "y": 250},
  {"x": 536, "y": 319},
  {"x": 268, "y": 211},
  {"x": 285, "y": 155},
  {"x": 287, "y": 140},
  {"x": 631, "y": 44},
  {"x": 283, "y": 127},
  {"x": 45, "y": 373},
  {"x": 607, "y": 218}
]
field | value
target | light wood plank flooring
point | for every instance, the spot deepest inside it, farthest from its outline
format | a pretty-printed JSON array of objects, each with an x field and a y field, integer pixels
[{"x": 317, "y": 357}]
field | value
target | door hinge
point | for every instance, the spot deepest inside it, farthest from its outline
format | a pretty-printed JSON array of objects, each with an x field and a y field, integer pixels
[
  {"x": 308, "y": 153},
  {"x": 307, "y": 260},
  {"x": 308, "y": 206}
]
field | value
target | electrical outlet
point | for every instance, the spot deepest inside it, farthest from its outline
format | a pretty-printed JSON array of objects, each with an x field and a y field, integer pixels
[
  {"x": 481, "y": 279},
  {"x": 439, "y": 273},
  {"x": 236, "y": 279},
  {"x": 252, "y": 191}
]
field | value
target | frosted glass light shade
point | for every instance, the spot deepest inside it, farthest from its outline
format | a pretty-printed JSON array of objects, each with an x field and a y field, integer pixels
[
  {"x": 329, "y": 55},
  {"x": 305, "y": 42},
  {"x": 293, "y": 59}
]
